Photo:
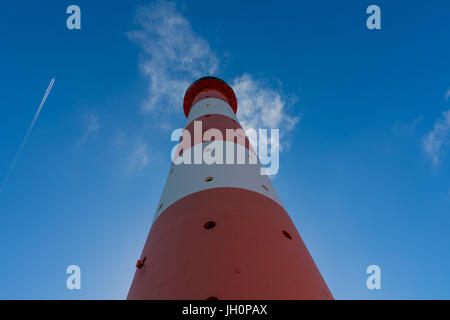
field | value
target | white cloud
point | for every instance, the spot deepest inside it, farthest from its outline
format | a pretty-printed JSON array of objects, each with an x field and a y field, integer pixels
[
  {"x": 436, "y": 140},
  {"x": 172, "y": 55},
  {"x": 260, "y": 106},
  {"x": 406, "y": 127},
  {"x": 92, "y": 125},
  {"x": 139, "y": 158},
  {"x": 135, "y": 149}
]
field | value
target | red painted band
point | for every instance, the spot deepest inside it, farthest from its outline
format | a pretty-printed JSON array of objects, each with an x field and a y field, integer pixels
[
  {"x": 227, "y": 243},
  {"x": 213, "y": 121},
  {"x": 209, "y": 87}
]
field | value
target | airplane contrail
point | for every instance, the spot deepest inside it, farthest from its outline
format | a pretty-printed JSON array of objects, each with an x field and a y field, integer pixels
[{"x": 28, "y": 133}]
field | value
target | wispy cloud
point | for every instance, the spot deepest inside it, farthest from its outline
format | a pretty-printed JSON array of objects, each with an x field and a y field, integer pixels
[
  {"x": 405, "y": 128},
  {"x": 436, "y": 140},
  {"x": 261, "y": 106},
  {"x": 139, "y": 158},
  {"x": 92, "y": 125},
  {"x": 172, "y": 55},
  {"x": 135, "y": 150},
  {"x": 47, "y": 92},
  {"x": 447, "y": 94}
]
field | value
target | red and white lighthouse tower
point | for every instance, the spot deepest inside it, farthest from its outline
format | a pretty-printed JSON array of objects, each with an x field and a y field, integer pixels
[{"x": 220, "y": 230}]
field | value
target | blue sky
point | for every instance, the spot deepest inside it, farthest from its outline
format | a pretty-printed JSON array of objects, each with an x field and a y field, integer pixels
[{"x": 365, "y": 161}]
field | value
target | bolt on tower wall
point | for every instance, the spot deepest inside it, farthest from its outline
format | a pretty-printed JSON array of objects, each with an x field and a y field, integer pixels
[{"x": 220, "y": 230}]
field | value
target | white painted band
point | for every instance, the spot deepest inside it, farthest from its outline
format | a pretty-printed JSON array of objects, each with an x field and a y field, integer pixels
[
  {"x": 210, "y": 106},
  {"x": 185, "y": 179}
]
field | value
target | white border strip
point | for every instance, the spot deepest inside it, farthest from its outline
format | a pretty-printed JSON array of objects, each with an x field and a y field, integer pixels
[
  {"x": 186, "y": 179},
  {"x": 210, "y": 106}
]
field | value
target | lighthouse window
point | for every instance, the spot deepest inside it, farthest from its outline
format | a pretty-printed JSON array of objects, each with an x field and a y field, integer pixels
[
  {"x": 287, "y": 235},
  {"x": 160, "y": 206},
  {"x": 265, "y": 188},
  {"x": 209, "y": 225},
  {"x": 208, "y": 179}
]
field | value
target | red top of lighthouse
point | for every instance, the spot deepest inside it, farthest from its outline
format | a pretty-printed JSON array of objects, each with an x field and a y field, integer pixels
[{"x": 209, "y": 87}]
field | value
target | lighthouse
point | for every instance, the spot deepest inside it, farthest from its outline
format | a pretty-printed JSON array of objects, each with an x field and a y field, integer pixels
[{"x": 220, "y": 230}]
